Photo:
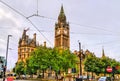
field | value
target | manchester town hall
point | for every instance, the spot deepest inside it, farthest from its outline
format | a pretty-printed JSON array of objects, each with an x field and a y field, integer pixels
[{"x": 62, "y": 38}]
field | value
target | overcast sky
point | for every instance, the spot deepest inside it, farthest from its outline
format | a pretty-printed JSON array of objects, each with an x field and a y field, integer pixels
[{"x": 95, "y": 23}]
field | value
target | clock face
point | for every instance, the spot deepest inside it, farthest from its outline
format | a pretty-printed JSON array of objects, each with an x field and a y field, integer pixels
[
  {"x": 65, "y": 31},
  {"x": 58, "y": 31}
]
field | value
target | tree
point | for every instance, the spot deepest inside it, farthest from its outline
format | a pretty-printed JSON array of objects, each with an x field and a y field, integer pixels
[
  {"x": 68, "y": 60},
  {"x": 38, "y": 59},
  {"x": 90, "y": 63},
  {"x": 99, "y": 65},
  {"x": 19, "y": 69},
  {"x": 44, "y": 58}
]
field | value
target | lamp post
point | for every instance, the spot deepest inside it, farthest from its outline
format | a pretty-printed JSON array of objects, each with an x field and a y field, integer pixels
[
  {"x": 80, "y": 61},
  {"x": 5, "y": 67}
]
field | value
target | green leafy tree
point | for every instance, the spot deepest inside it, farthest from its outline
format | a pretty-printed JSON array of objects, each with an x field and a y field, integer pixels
[
  {"x": 19, "y": 69},
  {"x": 51, "y": 58},
  {"x": 38, "y": 59},
  {"x": 99, "y": 65},
  {"x": 68, "y": 60},
  {"x": 91, "y": 64}
]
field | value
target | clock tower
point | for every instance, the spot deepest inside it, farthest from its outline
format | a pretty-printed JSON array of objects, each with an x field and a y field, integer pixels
[{"x": 62, "y": 37}]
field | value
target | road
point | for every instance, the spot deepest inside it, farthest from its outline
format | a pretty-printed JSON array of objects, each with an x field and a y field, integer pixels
[
  {"x": 47, "y": 80},
  {"x": 20, "y": 80}
]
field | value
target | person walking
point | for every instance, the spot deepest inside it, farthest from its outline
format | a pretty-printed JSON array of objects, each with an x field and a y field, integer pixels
[{"x": 10, "y": 78}]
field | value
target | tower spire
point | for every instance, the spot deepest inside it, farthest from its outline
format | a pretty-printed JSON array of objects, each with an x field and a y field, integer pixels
[
  {"x": 62, "y": 10},
  {"x": 62, "y": 17},
  {"x": 103, "y": 54}
]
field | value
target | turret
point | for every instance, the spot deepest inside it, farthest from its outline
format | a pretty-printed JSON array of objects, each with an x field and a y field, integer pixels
[
  {"x": 103, "y": 54},
  {"x": 34, "y": 37},
  {"x": 45, "y": 44},
  {"x": 24, "y": 35}
]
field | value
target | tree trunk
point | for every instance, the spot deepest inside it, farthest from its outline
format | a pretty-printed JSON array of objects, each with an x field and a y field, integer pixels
[
  {"x": 56, "y": 76},
  {"x": 31, "y": 76},
  {"x": 92, "y": 75},
  {"x": 43, "y": 73}
]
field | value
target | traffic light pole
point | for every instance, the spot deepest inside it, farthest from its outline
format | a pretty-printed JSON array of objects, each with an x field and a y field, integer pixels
[{"x": 5, "y": 67}]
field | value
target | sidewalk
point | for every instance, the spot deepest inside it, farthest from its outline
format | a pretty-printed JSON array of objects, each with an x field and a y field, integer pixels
[{"x": 48, "y": 80}]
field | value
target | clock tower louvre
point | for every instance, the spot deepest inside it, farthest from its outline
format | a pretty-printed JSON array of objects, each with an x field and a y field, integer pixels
[{"x": 62, "y": 37}]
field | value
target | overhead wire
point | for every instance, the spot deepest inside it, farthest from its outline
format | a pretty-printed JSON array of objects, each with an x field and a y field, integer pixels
[
  {"x": 73, "y": 33},
  {"x": 97, "y": 44},
  {"x": 108, "y": 42},
  {"x": 27, "y": 19},
  {"x": 87, "y": 26},
  {"x": 9, "y": 27},
  {"x": 39, "y": 31},
  {"x": 93, "y": 27},
  {"x": 37, "y": 7},
  {"x": 12, "y": 8},
  {"x": 37, "y": 14},
  {"x": 92, "y": 34}
]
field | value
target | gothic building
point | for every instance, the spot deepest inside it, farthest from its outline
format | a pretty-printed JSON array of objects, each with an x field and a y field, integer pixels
[
  {"x": 62, "y": 37},
  {"x": 26, "y": 46}
]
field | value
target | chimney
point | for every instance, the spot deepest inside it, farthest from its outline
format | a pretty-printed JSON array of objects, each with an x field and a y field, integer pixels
[
  {"x": 27, "y": 37},
  {"x": 34, "y": 37},
  {"x": 45, "y": 44}
]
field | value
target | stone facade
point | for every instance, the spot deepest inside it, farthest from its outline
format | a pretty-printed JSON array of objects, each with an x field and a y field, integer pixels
[
  {"x": 62, "y": 37},
  {"x": 26, "y": 46}
]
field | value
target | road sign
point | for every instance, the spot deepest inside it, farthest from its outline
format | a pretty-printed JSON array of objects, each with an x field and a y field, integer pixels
[{"x": 109, "y": 69}]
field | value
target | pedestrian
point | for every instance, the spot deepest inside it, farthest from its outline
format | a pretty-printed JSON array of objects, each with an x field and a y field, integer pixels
[
  {"x": 9, "y": 78},
  {"x": 78, "y": 76}
]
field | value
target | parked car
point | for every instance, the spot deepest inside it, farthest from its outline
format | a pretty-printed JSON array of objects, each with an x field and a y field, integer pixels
[{"x": 104, "y": 79}]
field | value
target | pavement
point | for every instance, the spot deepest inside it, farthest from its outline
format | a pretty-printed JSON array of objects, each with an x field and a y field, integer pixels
[
  {"x": 45, "y": 80},
  {"x": 19, "y": 80},
  {"x": 31, "y": 80}
]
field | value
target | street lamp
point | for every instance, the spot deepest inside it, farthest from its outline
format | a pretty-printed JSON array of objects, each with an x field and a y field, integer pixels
[
  {"x": 5, "y": 67},
  {"x": 79, "y": 55}
]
